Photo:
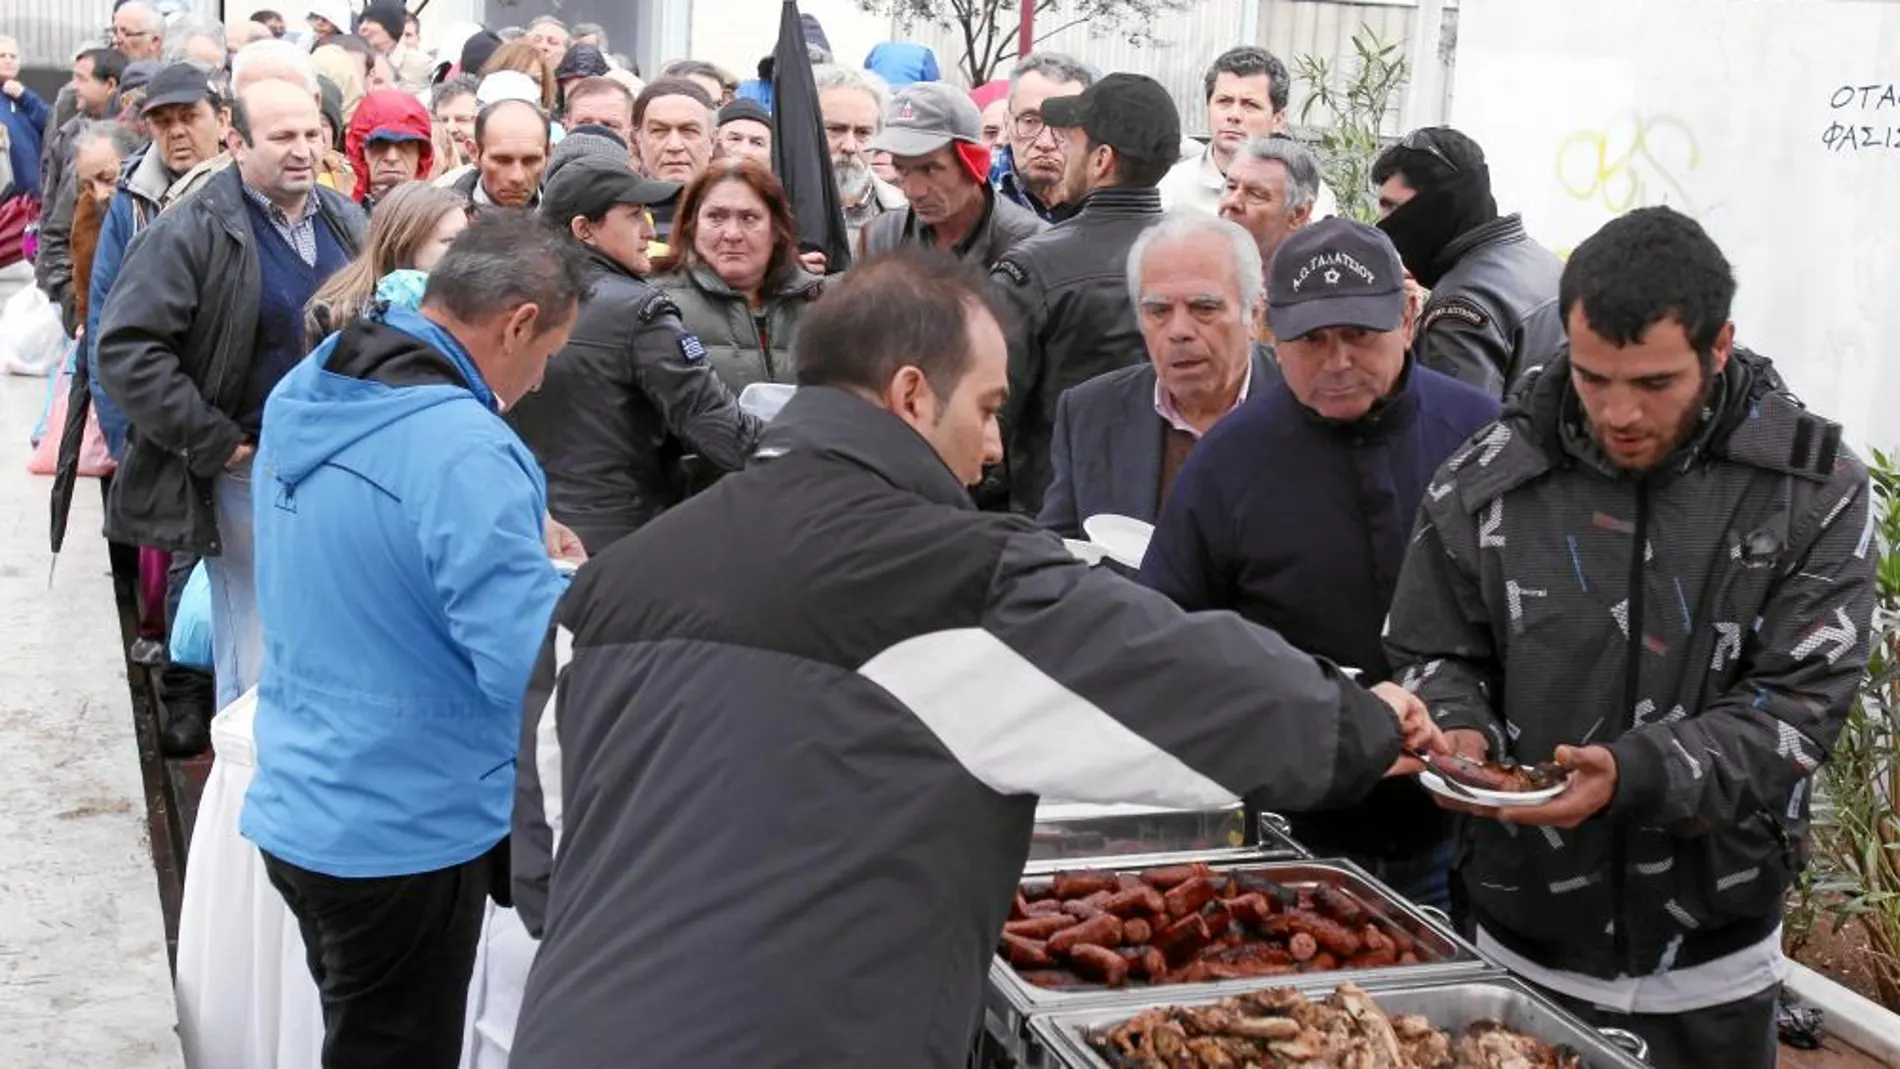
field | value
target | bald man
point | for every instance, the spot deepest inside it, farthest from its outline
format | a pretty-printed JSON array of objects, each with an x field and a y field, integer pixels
[
  {"x": 256, "y": 62},
  {"x": 511, "y": 151},
  {"x": 206, "y": 317}
]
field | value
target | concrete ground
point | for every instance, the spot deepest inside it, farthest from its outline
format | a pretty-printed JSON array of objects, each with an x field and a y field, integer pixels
[{"x": 84, "y": 974}]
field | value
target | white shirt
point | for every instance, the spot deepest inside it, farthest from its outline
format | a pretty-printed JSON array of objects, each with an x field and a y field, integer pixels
[
  {"x": 1749, "y": 971},
  {"x": 1196, "y": 184},
  {"x": 1164, "y": 405}
]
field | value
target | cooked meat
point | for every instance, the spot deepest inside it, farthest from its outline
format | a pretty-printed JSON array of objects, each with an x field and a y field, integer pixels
[
  {"x": 1278, "y": 1028},
  {"x": 1507, "y": 776}
]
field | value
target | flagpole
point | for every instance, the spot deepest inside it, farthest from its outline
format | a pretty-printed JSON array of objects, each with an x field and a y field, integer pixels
[{"x": 1026, "y": 29}]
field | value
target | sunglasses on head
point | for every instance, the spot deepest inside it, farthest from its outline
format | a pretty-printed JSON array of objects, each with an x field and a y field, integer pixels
[{"x": 1421, "y": 141}]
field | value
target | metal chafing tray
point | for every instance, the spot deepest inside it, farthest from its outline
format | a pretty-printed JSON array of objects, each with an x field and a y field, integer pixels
[
  {"x": 1011, "y": 1002},
  {"x": 1062, "y": 1039},
  {"x": 1075, "y": 834}
]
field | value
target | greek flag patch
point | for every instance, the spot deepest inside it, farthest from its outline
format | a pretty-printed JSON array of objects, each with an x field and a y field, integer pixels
[{"x": 692, "y": 350}]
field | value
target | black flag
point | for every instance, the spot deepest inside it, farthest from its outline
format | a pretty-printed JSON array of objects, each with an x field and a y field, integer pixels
[{"x": 801, "y": 156}]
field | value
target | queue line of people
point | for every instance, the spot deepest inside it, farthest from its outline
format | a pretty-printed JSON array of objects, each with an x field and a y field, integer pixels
[{"x": 1425, "y": 450}]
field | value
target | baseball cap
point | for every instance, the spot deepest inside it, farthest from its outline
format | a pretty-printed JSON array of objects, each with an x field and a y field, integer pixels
[
  {"x": 180, "y": 83},
  {"x": 589, "y": 186},
  {"x": 1335, "y": 273},
  {"x": 923, "y": 117},
  {"x": 391, "y": 133},
  {"x": 1130, "y": 113}
]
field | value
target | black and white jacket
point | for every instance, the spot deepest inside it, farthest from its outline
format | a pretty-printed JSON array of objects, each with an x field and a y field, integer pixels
[{"x": 787, "y": 740}]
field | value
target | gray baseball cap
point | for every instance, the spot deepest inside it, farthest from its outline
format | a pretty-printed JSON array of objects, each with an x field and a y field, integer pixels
[
  {"x": 925, "y": 116},
  {"x": 1335, "y": 273}
]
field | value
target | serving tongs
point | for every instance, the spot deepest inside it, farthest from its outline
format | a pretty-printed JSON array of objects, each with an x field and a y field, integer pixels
[{"x": 1446, "y": 778}]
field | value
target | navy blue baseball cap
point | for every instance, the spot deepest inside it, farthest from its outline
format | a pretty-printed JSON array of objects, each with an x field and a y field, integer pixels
[{"x": 1335, "y": 273}]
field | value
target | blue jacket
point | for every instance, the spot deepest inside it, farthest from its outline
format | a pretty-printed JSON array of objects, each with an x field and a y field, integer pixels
[
  {"x": 404, "y": 591},
  {"x": 902, "y": 62},
  {"x": 25, "y": 120},
  {"x": 1300, "y": 524}
]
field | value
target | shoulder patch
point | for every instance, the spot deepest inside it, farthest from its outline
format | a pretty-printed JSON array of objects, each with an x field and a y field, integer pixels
[
  {"x": 657, "y": 304},
  {"x": 1011, "y": 270},
  {"x": 1457, "y": 308},
  {"x": 692, "y": 350}
]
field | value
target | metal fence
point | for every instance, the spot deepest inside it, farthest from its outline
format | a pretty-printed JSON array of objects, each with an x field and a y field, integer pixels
[{"x": 52, "y": 32}]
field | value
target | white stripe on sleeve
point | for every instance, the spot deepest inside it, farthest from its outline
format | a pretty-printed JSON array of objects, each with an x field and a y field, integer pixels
[
  {"x": 547, "y": 742},
  {"x": 1019, "y": 731}
]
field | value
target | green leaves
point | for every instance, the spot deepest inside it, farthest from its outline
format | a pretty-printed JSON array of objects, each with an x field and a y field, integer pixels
[{"x": 1357, "y": 96}]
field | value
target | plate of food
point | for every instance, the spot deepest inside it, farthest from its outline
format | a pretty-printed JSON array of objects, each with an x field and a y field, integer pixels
[{"x": 1504, "y": 785}]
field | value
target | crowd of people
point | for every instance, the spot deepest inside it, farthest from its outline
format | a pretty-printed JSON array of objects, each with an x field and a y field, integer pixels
[{"x": 387, "y": 339}]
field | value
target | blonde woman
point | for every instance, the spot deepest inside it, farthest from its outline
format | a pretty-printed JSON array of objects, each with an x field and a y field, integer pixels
[{"x": 408, "y": 232}]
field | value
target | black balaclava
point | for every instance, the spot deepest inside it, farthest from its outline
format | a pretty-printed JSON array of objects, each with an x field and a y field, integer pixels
[{"x": 1454, "y": 196}]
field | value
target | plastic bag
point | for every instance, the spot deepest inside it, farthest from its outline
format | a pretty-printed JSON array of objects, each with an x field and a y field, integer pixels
[
  {"x": 1799, "y": 1026},
  {"x": 191, "y": 629},
  {"x": 95, "y": 460},
  {"x": 32, "y": 338}
]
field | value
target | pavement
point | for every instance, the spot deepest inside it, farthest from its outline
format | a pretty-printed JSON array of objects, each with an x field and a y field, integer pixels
[{"x": 85, "y": 977}]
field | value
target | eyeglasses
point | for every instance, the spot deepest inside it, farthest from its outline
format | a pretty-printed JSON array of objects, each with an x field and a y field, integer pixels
[
  {"x": 1421, "y": 141},
  {"x": 1029, "y": 126}
]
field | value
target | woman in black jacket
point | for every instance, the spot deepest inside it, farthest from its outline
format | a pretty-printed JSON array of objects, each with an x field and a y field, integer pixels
[{"x": 632, "y": 391}]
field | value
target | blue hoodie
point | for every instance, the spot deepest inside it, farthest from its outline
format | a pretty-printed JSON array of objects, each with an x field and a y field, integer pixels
[{"x": 404, "y": 591}]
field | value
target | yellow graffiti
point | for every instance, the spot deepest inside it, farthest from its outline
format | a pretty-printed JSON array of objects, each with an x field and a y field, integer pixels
[{"x": 1637, "y": 161}]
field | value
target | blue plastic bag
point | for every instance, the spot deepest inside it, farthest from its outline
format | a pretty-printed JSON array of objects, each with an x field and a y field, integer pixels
[{"x": 191, "y": 631}]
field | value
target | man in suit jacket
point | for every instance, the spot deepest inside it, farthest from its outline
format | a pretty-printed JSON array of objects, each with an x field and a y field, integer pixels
[{"x": 1121, "y": 438}]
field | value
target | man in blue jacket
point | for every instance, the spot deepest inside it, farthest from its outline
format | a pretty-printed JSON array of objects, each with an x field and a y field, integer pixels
[
  {"x": 403, "y": 587},
  {"x": 1295, "y": 510}
]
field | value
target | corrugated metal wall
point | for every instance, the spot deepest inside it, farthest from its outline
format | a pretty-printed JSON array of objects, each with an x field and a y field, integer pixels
[
  {"x": 1287, "y": 28},
  {"x": 51, "y": 32}
]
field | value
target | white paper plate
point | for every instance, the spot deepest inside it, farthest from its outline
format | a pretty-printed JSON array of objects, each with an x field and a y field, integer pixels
[
  {"x": 1123, "y": 538},
  {"x": 1087, "y": 552},
  {"x": 566, "y": 567},
  {"x": 1480, "y": 796}
]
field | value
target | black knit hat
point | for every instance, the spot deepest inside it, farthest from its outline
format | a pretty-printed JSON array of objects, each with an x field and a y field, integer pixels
[
  {"x": 581, "y": 61},
  {"x": 389, "y": 15},
  {"x": 477, "y": 50}
]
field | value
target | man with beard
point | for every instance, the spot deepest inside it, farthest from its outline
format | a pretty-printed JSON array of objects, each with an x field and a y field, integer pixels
[
  {"x": 853, "y": 106},
  {"x": 1272, "y": 186},
  {"x": 1493, "y": 313},
  {"x": 1029, "y": 169},
  {"x": 1654, "y": 507}
]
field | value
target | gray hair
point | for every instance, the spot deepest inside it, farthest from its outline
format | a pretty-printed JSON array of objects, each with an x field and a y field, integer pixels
[
  {"x": 590, "y": 29},
  {"x": 547, "y": 20},
  {"x": 122, "y": 137},
  {"x": 1302, "y": 167},
  {"x": 1055, "y": 66},
  {"x": 276, "y": 52},
  {"x": 1187, "y": 224},
  {"x": 181, "y": 34},
  {"x": 503, "y": 261},
  {"x": 154, "y": 19},
  {"x": 833, "y": 77}
]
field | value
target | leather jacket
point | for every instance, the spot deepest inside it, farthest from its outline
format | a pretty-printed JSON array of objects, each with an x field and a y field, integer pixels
[
  {"x": 1493, "y": 315},
  {"x": 1069, "y": 286}
]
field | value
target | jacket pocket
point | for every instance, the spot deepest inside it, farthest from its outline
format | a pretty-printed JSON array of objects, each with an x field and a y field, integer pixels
[
  {"x": 1540, "y": 884},
  {"x": 1738, "y": 874}
]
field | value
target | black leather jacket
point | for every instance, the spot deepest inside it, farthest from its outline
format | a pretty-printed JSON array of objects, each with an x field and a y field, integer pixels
[
  {"x": 630, "y": 393},
  {"x": 1069, "y": 286},
  {"x": 1493, "y": 315},
  {"x": 175, "y": 348},
  {"x": 1004, "y": 223}
]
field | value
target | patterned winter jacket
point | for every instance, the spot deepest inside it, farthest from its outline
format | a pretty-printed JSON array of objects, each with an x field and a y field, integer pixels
[{"x": 1708, "y": 622}]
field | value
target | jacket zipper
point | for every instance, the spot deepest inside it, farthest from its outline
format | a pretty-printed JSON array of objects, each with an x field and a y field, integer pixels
[{"x": 1632, "y": 687}]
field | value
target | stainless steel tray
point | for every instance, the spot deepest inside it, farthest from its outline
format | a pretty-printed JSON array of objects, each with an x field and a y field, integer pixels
[
  {"x": 1062, "y": 1039},
  {"x": 1011, "y": 1001},
  {"x": 1072, "y": 835}
]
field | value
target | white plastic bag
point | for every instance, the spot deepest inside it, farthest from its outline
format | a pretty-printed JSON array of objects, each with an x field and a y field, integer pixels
[{"x": 32, "y": 339}]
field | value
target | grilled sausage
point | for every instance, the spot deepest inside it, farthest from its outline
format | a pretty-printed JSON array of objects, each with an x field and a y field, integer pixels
[
  {"x": 1472, "y": 773},
  {"x": 1322, "y": 962},
  {"x": 1401, "y": 940},
  {"x": 1302, "y": 946},
  {"x": 1375, "y": 959},
  {"x": 1102, "y": 931},
  {"x": 1175, "y": 875},
  {"x": 1026, "y": 953},
  {"x": 1251, "y": 908},
  {"x": 1137, "y": 931},
  {"x": 1135, "y": 900},
  {"x": 1082, "y": 884},
  {"x": 1018, "y": 906},
  {"x": 1331, "y": 935},
  {"x": 1184, "y": 938},
  {"x": 1100, "y": 964},
  {"x": 1267, "y": 952},
  {"x": 1146, "y": 962},
  {"x": 1039, "y": 927},
  {"x": 1055, "y": 978},
  {"x": 1340, "y": 906},
  {"x": 1189, "y": 897},
  {"x": 1253, "y": 883},
  {"x": 1081, "y": 909},
  {"x": 1218, "y": 919},
  {"x": 1044, "y": 907},
  {"x": 1243, "y": 970}
]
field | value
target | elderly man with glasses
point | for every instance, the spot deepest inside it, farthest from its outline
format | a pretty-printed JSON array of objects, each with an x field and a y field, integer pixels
[{"x": 138, "y": 30}]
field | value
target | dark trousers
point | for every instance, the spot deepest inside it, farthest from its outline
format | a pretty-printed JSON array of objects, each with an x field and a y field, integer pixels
[
  {"x": 1733, "y": 1035},
  {"x": 391, "y": 957}
]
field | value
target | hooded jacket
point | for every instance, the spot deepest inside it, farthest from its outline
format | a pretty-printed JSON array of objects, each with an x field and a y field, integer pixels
[
  {"x": 1707, "y": 620},
  {"x": 631, "y": 390},
  {"x": 403, "y": 588},
  {"x": 744, "y": 345},
  {"x": 848, "y": 689},
  {"x": 393, "y": 110}
]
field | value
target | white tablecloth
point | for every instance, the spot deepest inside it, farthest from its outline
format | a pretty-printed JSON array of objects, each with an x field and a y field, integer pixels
[{"x": 245, "y": 997}]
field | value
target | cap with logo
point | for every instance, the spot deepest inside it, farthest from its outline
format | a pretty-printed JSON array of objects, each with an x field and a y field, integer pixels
[
  {"x": 591, "y": 185},
  {"x": 180, "y": 83},
  {"x": 1130, "y": 113},
  {"x": 1335, "y": 273},
  {"x": 923, "y": 117}
]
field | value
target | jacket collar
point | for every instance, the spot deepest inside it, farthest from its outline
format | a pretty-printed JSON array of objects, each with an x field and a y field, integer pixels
[
  {"x": 147, "y": 177},
  {"x": 836, "y": 423},
  {"x": 1500, "y": 231},
  {"x": 1387, "y": 416},
  {"x": 794, "y": 283},
  {"x": 1123, "y": 201},
  {"x": 984, "y": 221}
]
